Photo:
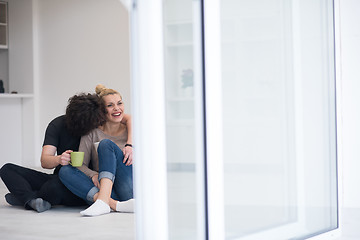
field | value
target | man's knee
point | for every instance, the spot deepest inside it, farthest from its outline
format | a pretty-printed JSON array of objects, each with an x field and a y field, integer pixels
[{"x": 6, "y": 168}]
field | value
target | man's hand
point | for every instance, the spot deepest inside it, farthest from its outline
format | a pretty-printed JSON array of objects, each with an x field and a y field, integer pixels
[{"x": 65, "y": 158}]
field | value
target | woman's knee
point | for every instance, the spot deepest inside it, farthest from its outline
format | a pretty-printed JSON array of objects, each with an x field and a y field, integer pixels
[
  {"x": 106, "y": 146},
  {"x": 65, "y": 171},
  {"x": 106, "y": 143}
]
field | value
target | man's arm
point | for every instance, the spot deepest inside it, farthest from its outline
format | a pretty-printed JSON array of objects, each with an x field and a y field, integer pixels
[{"x": 49, "y": 160}]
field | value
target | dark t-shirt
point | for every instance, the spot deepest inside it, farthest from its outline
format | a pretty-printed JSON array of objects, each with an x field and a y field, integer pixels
[{"x": 59, "y": 136}]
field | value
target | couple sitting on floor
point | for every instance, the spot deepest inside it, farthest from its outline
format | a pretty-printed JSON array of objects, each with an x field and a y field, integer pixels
[{"x": 96, "y": 125}]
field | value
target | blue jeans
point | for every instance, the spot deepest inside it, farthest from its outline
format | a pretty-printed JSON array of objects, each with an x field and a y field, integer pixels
[{"x": 111, "y": 166}]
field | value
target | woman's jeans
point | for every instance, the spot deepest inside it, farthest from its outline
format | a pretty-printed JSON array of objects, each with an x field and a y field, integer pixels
[{"x": 111, "y": 166}]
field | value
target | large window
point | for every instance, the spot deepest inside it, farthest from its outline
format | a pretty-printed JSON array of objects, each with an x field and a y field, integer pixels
[{"x": 278, "y": 116}]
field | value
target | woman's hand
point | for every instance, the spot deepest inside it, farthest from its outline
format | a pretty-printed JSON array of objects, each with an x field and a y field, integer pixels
[
  {"x": 128, "y": 155},
  {"x": 65, "y": 158},
  {"x": 95, "y": 180}
]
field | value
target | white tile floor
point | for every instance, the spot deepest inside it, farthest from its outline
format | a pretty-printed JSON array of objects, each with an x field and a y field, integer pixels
[
  {"x": 66, "y": 223},
  {"x": 63, "y": 223},
  {"x": 350, "y": 224}
]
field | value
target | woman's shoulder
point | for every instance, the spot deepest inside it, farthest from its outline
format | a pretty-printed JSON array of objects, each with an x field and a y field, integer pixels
[
  {"x": 101, "y": 133},
  {"x": 97, "y": 134}
]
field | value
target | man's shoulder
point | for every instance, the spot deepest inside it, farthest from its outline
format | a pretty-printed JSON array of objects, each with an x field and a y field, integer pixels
[{"x": 60, "y": 120}]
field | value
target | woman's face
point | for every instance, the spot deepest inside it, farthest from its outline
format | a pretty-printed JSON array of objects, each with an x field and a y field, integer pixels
[{"x": 114, "y": 108}]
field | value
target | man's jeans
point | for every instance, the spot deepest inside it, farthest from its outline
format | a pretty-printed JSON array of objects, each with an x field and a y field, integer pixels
[
  {"x": 111, "y": 166},
  {"x": 27, "y": 184}
]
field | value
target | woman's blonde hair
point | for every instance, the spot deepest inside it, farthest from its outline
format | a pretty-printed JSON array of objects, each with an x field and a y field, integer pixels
[{"x": 102, "y": 91}]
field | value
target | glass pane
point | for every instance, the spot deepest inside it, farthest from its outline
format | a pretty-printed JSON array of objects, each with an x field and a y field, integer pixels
[
  {"x": 183, "y": 122},
  {"x": 278, "y": 116}
]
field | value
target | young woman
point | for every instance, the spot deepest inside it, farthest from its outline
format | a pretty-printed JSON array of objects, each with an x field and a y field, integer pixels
[{"x": 110, "y": 184}]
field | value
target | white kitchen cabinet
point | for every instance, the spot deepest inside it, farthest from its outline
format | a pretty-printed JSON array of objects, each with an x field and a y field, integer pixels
[
  {"x": 17, "y": 125},
  {"x": 3, "y": 25}
]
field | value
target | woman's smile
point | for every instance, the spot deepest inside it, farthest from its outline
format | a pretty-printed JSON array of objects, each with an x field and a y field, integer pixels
[{"x": 114, "y": 107}]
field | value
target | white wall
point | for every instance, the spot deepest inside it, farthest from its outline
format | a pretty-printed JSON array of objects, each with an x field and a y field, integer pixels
[
  {"x": 80, "y": 43},
  {"x": 350, "y": 100}
]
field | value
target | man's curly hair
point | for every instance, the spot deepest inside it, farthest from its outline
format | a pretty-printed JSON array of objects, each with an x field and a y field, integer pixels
[{"x": 84, "y": 112}]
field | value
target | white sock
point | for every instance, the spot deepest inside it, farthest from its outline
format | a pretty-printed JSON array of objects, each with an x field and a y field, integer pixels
[
  {"x": 125, "y": 206},
  {"x": 99, "y": 207}
]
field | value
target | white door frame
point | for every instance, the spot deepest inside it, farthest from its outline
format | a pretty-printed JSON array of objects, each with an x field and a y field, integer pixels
[
  {"x": 149, "y": 122},
  {"x": 149, "y": 119}
]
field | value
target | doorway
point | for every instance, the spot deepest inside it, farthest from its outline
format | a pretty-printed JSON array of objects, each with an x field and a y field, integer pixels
[{"x": 245, "y": 116}]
